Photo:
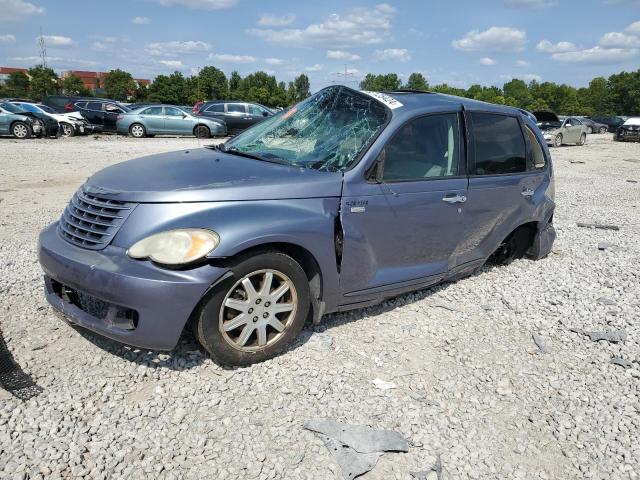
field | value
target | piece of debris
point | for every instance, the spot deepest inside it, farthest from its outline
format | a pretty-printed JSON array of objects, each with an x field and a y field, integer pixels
[
  {"x": 356, "y": 448},
  {"x": 632, "y": 181},
  {"x": 605, "y": 301},
  {"x": 576, "y": 161},
  {"x": 446, "y": 305},
  {"x": 424, "y": 475},
  {"x": 537, "y": 339},
  {"x": 383, "y": 384},
  {"x": 605, "y": 245},
  {"x": 621, "y": 362},
  {"x": 599, "y": 226},
  {"x": 616, "y": 336}
]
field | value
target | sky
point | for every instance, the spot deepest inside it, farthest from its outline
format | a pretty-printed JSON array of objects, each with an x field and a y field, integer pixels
[{"x": 459, "y": 42}]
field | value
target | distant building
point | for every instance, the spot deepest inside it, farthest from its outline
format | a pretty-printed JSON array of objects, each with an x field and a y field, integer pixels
[
  {"x": 95, "y": 80},
  {"x": 5, "y": 71}
]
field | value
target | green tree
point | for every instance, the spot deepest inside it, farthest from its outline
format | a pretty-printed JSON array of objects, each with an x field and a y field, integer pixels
[
  {"x": 213, "y": 84},
  {"x": 417, "y": 81},
  {"x": 291, "y": 93},
  {"x": 236, "y": 86},
  {"x": 380, "y": 83},
  {"x": 624, "y": 88},
  {"x": 119, "y": 84},
  {"x": 516, "y": 93},
  {"x": 171, "y": 89},
  {"x": 17, "y": 85},
  {"x": 72, "y": 85},
  {"x": 44, "y": 81},
  {"x": 301, "y": 83}
]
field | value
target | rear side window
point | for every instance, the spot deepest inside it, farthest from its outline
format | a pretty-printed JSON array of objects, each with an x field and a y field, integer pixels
[
  {"x": 235, "y": 107},
  {"x": 499, "y": 144},
  {"x": 216, "y": 107},
  {"x": 92, "y": 106},
  {"x": 537, "y": 160},
  {"x": 427, "y": 147}
]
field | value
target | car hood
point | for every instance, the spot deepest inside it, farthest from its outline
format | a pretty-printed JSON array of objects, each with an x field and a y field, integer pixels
[
  {"x": 546, "y": 116},
  {"x": 205, "y": 175}
]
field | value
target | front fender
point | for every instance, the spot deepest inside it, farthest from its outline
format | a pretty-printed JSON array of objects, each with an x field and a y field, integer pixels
[{"x": 306, "y": 223}]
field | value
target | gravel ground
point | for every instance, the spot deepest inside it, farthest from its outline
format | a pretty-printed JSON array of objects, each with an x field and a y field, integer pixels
[{"x": 471, "y": 384}]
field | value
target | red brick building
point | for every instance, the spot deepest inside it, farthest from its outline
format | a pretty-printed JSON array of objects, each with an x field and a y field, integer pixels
[
  {"x": 95, "y": 80},
  {"x": 5, "y": 71}
]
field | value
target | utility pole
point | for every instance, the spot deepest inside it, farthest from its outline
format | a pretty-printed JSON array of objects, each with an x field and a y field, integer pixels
[
  {"x": 345, "y": 76},
  {"x": 43, "y": 49}
]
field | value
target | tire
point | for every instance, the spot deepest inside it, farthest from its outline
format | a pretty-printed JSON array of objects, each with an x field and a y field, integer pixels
[
  {"x": 257, "y": 317},
  {"x": 202, "y": 131},
  {"x": 602, "y": 130},
  {"x": 589, "y": 130},
  {"x": 67, "y": 130},
  {"x": 583, "y": 140},
  {"x": 20, "y": 130},
  {"x": 137, "y": 130},
  {"x": 557, "y": 141},
  {"x": 513, "y": 247}
]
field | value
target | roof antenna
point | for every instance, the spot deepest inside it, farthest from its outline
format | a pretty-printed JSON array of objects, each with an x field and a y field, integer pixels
[{"x": 43, "y": 49}]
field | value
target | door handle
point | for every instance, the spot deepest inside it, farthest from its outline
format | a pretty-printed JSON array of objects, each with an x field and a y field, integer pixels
[
  {"x": 455, "y": 199},
  {"x": 527, "y": 192}
]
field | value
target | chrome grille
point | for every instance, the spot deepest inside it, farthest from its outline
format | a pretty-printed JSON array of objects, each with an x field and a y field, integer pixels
[{"x": 90, "y": 221}]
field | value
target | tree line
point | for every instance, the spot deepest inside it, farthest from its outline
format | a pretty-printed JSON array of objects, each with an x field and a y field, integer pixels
[
  {"x": 617, "y": 95},
  {"x": 210, "y": 83}
]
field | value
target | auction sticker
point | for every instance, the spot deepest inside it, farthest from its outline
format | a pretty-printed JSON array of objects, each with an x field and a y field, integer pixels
[{"x": 388, "y": 100}]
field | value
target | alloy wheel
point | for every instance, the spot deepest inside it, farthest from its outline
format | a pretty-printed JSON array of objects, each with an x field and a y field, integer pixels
[
  {"x": 257, "y": 310},
  {"x": 20, "y": 130},
  {"x": 558, "y": 141},
  {"x": 137, "y": 131},
  {"x": 66, "y": 130}
]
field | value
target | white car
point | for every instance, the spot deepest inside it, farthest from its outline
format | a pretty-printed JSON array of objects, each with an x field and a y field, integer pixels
[{"x": 72, "y": 123}]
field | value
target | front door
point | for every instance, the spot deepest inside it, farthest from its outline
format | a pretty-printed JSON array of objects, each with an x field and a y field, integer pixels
[
  {"x": 176, "y": 122},
  {"x": 402, "y": 227},
  {"x": 111, "y": 112},
  {"x": 236, "y": 116},
  {"x": 153, "y": 119}
]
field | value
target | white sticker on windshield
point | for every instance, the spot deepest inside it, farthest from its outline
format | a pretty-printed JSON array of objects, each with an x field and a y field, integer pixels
[{"x": 388, "y": 100}]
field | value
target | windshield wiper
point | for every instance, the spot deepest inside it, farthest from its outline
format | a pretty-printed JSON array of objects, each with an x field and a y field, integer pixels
[{"x": 255, "y": 156}]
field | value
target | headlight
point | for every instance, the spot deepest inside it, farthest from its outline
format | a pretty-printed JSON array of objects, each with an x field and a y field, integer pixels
[{"x": 176, "y": 247}]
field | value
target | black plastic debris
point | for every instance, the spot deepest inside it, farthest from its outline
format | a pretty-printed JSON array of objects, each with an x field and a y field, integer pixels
[
  {"x": 12, "y": 378},
  {"x": 621, "y": 362},
  {"x": 605, "y": 245},
  {"x": 576, "y": 161},
  {"x": 537, "y": 339},
  {"x": 424, "y": 475},
  {"x": 632, "y": 181},
  {"x": 599, "y": 226},
  {"x": 356, "y": 448},
  {"x": 615, "y": 336}
]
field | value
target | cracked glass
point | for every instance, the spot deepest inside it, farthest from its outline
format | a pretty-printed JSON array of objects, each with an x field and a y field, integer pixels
[{"x": 328, "y": 131}]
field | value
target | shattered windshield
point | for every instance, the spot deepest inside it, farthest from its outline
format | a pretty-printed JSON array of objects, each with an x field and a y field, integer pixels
[{"x": 327, "y": 131}]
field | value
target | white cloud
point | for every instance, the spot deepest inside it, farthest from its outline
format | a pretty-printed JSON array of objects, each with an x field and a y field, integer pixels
[
  {"x": 487, "y": 61},
  {"x": 597, "y": 55},
  {"x": 342, "y": 55},
  {"x": 199, "y": 4},
  {"x": 315, "y": 68},
  {"x": 8, "y": 38},
  {"x": 633, "y": 29},
  {"x": 529, "y": 3},
  {"x": 359, "y": 26},
  {"x": 522, "y": 63},
  {"x": 225, "y": 57},
  {"x": 176, "y": 47},
  {"x": 141, "y": 20},
  {"x": 172, "y": 63},
  {"x": 273, "y": 61},
  {"x": 271, "y": 20},
  {"x": 495, "y": 39},
  {"x": 528, "y": 77},
  {"x": 630, "y": 38},
  {"x": 398, "y": 54},
  {"x": 546, "y": 46},
  {"x": 55, "y": 40},
  {"x": 18, "y": 9}
]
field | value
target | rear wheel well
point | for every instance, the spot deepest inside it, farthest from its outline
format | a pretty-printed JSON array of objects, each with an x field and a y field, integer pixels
[{"x": 515, "y": 245}]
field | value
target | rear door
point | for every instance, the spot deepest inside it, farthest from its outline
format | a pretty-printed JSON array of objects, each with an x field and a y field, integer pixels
[
  {"x": 153, "y": 119},
  {"x": 503, "y": 186},
  {"x": 93, "y": 112},
  {"x": 404, "y": 229},
  {"x": 5, "y": 120},
  {"x": 236, "y": 116}
]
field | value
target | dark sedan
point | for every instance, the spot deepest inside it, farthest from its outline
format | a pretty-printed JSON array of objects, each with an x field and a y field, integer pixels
[
  {"x": 237, "y": 115},
  {"x": 594, "y": 127},
  {"x": 629, "y": 131},
  {"x": 612, "y": 123}
]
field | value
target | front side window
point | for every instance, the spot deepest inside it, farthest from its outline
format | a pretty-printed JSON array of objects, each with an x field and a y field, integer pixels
[
  {"x": 27, "y": 108},
  {"x": 44, "y": 108},
  {"x": 427, "y": 147},
  {"x": 173, "y": 112},
  {"x": 110, "y": 107},
  {"x": 152, "y": 111},
  {"x": 256, "y": 110},
  {"x": 537, "y": 160},
  {"x": 216, "y": 108},
  {"x": 236, "y": 108},
  {"x": 327, "y": 131},
  {"x": 499, "y": 144}
]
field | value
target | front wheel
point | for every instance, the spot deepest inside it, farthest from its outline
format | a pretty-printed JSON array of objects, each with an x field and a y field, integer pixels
[
  {"x": 602, "y": 130},
  {"x": 583, "y": 140},
  {"x": 202, "y": 131},
  {"x": 257, "y": 312},
  {"x": 20, "y": 130},
  {"x": 67, "y": 129},
  {"x": 137, "y": 130},
  {"x": 557, "y": 141},
  {"x": 589, "y": 130}
]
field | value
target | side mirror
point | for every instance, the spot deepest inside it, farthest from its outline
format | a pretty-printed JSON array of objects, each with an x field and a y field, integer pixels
[
  {"x": 265, "y": 114},
  {"x": 184, "y": 115}
]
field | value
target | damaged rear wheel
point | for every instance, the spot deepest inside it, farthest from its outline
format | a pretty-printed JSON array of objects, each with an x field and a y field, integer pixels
[{"x": 513, "y": 247}]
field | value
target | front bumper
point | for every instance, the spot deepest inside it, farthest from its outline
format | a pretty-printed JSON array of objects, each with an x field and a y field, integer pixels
[
  {"x": 144, "y": 305},
  {"x": 628, "y": 136}
]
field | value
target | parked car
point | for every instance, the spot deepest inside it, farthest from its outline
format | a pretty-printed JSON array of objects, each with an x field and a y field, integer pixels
[
  {"x": 344, "y": 200},
  {"x": 101, "y": 114},
  {"x": 558, "y": 133},
  {"x": 50, "y": 126},
  {"x": 18, "y": 123},
  {"x": 59, "y": 102},
  {"x": 167, "y": 120},
  {"x": 237, "y": 115},
  {"x": 594, "y": 127},
  {"x": 70, "y": 123},
  {"x": 629, "y": 131},
  {"x": 612, "y": 122}
]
